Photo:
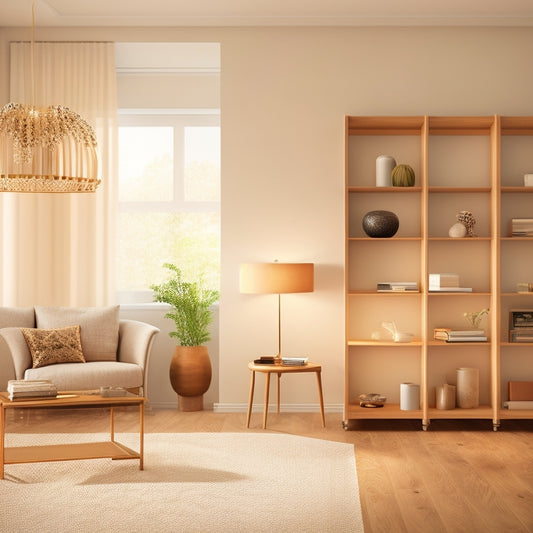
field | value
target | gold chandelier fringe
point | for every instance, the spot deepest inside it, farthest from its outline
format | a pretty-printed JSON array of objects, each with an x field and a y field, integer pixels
[{"x": 50, "y": 184}]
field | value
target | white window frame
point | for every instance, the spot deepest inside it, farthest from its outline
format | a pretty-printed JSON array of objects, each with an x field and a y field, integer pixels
[{"x": 179, "y": 119}]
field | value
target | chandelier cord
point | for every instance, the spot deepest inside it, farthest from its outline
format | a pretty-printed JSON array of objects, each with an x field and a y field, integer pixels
[{"x": 32, "y": 53}]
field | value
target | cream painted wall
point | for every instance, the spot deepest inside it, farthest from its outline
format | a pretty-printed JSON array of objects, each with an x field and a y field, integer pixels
[
  {"x": 284, "y": 93},
  {"x": 169, "y": 90}
]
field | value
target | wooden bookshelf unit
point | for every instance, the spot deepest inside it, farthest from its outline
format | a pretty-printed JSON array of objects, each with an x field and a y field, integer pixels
[{"x": 474, "y": 164}]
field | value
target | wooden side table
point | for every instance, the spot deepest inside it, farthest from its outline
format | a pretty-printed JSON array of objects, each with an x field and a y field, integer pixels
[{"x": 279, "y": 370}]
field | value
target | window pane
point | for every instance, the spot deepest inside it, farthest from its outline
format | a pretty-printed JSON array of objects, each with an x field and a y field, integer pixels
[
  {"x": 146, "y": 164},
  {"x": 147, "y": 240},
  {"x": 202, "y": 164}
]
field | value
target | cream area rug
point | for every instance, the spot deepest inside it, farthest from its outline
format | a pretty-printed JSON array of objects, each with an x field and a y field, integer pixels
[{"x": 191, "y": 482}]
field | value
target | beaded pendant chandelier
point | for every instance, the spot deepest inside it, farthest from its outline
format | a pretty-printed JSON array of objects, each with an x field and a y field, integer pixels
[{"x": 50, "y": 149}]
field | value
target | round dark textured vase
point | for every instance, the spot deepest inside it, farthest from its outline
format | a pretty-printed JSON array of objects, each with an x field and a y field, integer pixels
[{"x": 381, "y": 224}]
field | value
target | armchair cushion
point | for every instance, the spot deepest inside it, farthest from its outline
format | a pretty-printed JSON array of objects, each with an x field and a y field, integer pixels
[
  {"x": 98, "y": 327},
  {"x": 52, "y": 346},
  {"x": 89, "y": 376}
]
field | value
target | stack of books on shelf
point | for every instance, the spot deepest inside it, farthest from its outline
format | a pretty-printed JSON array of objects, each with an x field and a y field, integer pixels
[
  {"x": 397, "y": 286},
  {"x": 522, "y": 227},
  {"x": 459, "y": 335},
  {"x": 447, "y": 282},
  {"x": 520, "y": 395},
  {"x": 524, "y": 288},
  {"x": 27, "y": 389},
  {"x": 521, "y": 335}
]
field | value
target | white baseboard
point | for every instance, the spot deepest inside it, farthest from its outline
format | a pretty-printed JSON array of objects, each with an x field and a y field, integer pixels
[
  {"x": 287, "y": 408},
  {"x": 256, "y": 408}
]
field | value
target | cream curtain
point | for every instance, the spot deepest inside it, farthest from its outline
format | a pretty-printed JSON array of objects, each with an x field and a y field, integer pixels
[{"x": 58, "y": 249}]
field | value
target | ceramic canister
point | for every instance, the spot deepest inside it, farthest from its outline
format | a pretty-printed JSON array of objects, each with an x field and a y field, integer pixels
[
  {"x": 467, "y": 387},
  {"x": 446, "y": 396},
  {"x": 384, "y": 166},
  {"x": 409, "y": 396}
]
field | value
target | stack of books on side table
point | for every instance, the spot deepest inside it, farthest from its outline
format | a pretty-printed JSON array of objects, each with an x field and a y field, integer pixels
[
  {"x": 446, "y": 283},
  {"x": 294, "y": 361},
  {"x": 28, "y": 389},
  {"x": 459, "y": 335},
  {"x": 285, "y": 361}
]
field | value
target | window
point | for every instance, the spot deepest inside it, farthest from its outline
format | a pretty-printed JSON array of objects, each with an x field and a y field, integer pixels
[{"x": 169, "y": 198}]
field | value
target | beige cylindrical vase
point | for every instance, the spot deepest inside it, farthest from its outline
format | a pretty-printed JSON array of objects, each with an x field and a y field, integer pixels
[
  {"x": 409, "y": 396},
  {"x": 384, "y": 166},
  {"x": 467, "y": 387},
  {"x": 446, "y": 397}
]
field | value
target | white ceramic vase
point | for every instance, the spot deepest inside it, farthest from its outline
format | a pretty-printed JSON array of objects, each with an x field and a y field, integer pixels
[
  {"x": 384, "y": 166},
  {"x": 409, "y": 396},
  {"x": 467, "y": 387}
]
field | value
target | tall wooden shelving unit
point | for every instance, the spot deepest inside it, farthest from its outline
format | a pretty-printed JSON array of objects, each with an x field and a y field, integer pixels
[
  {"x": 457, "y": 163},
  {"x": 516, "y": 256}
]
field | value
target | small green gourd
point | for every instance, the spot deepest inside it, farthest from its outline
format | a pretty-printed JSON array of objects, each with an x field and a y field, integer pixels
[{"x": 403, "y": 176}]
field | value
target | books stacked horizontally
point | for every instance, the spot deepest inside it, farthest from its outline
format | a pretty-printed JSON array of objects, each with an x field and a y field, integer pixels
[
  {"x": 447, "y": 282},
  {"x": 520, "y": 395},
  {"x": 459, "y": 335},
  {"x": 522, "y": 227},
  {"x": 28, "y": 389},
  {"x": 286, "y": 361},
  {"x": 397, "y": 286},
  {"x": 294, "y": 361}
]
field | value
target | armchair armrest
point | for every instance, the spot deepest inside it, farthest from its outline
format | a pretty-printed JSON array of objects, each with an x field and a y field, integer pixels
[
  {"x": 18, "y": 348},
  {"x": 135, "y": 344}
]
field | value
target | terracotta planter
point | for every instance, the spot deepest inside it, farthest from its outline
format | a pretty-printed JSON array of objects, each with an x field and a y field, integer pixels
[{"x": 190, "y": 376}]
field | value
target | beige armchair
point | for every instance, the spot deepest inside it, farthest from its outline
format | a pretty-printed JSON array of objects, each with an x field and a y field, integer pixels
[{"x": 116, "y": 351}]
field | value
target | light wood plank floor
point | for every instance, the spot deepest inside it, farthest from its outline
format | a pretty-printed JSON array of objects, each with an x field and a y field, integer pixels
[{"x": 459, "y": 476}]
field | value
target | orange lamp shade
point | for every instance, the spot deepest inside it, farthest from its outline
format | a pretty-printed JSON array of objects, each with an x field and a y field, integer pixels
[{"x": 276, "y": 278}]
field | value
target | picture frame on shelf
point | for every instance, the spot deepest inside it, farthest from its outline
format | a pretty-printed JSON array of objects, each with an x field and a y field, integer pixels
[
  {"x": 521, "y": 325},
  {"x": 520, "y": 318}
]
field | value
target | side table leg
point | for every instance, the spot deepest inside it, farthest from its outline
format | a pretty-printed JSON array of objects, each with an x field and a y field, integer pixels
[
  {"x": 250, "y": 400},
  {"x": 267, "y": 391},
  {"x": 320, "y": 398}
]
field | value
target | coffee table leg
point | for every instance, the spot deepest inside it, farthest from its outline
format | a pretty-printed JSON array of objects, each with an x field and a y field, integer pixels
[
  {"x": 250, "y": 400},
  {"x": 267, "y": 391},
  {"x": 111, "y": 424},
  {"x": 141, "y": 436}
]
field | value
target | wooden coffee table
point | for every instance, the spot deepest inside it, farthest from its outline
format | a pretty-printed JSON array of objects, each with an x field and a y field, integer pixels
[{"x": 74, "y": 451}]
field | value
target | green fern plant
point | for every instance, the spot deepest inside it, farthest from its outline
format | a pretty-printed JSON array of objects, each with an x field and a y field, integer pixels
[{"x": 190, "y": 303}]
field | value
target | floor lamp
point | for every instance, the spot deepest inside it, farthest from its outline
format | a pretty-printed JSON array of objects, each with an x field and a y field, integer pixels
[{"x": 277, "y": 278}]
